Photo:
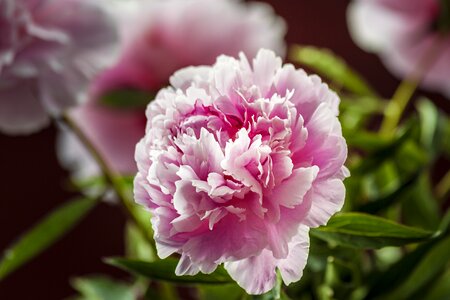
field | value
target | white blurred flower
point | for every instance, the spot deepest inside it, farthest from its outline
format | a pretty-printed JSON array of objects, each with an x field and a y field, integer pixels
[{"x": 49, "y": 50}]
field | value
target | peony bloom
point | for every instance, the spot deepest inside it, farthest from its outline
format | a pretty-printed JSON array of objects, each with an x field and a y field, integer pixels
[
  {"x": 237, "y": 163},
  {"x": 48, "y": 51},
  {"x": 162, "y": 36},
  {"x": 403, "y": 33},
  {"x": 158, "y": 38}
]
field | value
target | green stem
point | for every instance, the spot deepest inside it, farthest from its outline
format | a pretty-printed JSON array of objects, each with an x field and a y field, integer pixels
[
  {"x": 395, "y": 108},
  {"x": 443, "y": 186},
  {"x": 276, "y": 291},
  {"x": 397, "y": 105},
  {"x": 112, "y": 177}
]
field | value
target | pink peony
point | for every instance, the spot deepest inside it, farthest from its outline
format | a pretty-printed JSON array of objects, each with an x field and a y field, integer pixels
[
  {"x": 48, "y": 51},
  {"x": 162, "y": 36},
  {"x": 403, "y": 32},
  {"x": 158, "y": 38},
  {"x": 237, "y": 162}
]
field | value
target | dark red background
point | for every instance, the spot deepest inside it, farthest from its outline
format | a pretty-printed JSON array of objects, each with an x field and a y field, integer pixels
[{"x": 32, "y": 182}]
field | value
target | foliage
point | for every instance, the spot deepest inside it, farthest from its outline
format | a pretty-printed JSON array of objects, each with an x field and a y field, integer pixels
[{"x": 44, "y": 234}]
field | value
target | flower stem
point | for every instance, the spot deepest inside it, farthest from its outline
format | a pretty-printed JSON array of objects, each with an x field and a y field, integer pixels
[
  {"x": 397, "y": 105},
  {"x": 276, "y": 291},
  {"x": 395, "y": 108},
  {"x": 112, "y": 177},
  {"x": 443, "y": 186}
]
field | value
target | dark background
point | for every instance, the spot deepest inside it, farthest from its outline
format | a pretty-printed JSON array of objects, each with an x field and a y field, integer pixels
[{"x": 32, "y": 182}]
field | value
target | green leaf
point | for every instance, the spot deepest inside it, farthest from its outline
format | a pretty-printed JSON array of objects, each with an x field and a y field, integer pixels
[
  {"x": 44, "y": 234},
  {"x": 221, "y": 292},
  {"x": 397, "y": 273},
  {"x": 434, "y": 133},
  {"x": 102, "y": 288},
  {"x": 366, "y": 140},
  {"x": 340, "y": 280},
  {"x": 378, "y": 155},
  {"x": 358, "y": 111},
  {"x": 362, "y": 105},
  {"x": 388, "y": 199},
  {"x": 136, "y": 244},
  {"x": 440, "y": 290},
  {"x": 165, "y": 270},
  {"x": 381, "y": 181},
  {"x": 410, "y": 157},
  {"x": 419, "y": 206},
  {"x": 446, "y": 133},
  {"x": 429, "y": 117},
  {"x": 163, "y": 291},
  {"x": 442, "y": 189},
  {"x": 427, "y": 265},
  {"x": 444, "y": 227},
  {"x": 359, "y": 230},
  {"x": 327, "y": 64},
  {"x": 402, "y": 269},
  {"x": 97, "y": 182},
  {"x": 387, "y": 256},
  {"x": 127, "y": 99},
  {"x": 355, "y": 114}
]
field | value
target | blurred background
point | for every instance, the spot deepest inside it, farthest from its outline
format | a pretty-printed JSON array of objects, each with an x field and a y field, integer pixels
[{"x": 32, "y": 182}]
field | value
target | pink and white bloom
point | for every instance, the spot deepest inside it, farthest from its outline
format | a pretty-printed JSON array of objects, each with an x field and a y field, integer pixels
[
  {"x": 159, "y": 37},
  {"x": 238, "y": 161},
  {"x": 48, "y": 52},
  {"x": 402, "y": 33}
]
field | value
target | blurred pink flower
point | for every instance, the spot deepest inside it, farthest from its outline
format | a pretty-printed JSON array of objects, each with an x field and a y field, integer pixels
[
  {"x": 237, "y": 162},
  {"x": 114, "y": 132},
  {"x": 162, "y": 36},
  {"x": 158, "y": 38},
  {"x": 48, "y": 52},
  {"x": 402, "y": 32}
]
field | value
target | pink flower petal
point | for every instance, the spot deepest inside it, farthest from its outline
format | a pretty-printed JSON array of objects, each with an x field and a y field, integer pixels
[
  {"x": 256, "y": 274},
  {"x": 291, "y": 192},
  {"x": 327, "y": 199},
  {"x": 291, "y": 268}
]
